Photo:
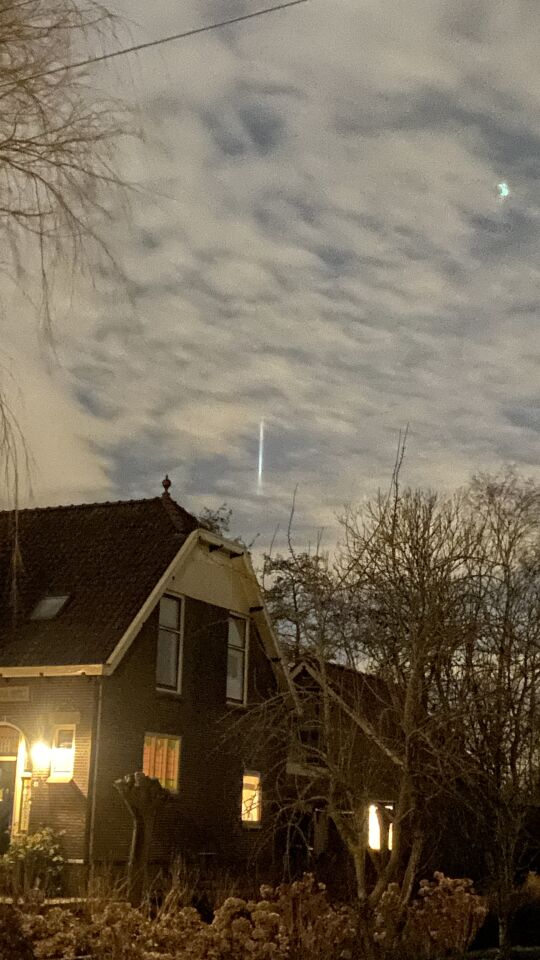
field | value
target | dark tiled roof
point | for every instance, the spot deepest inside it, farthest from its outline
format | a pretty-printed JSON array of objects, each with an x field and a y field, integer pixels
[{"x": 106, "y": 556}]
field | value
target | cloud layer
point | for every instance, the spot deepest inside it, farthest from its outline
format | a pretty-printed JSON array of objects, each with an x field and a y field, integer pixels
[{"x": 317, "y": 241}]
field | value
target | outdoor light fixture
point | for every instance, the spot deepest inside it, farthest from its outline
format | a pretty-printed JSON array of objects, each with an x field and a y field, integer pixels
[{"x": 41, "y": 755}]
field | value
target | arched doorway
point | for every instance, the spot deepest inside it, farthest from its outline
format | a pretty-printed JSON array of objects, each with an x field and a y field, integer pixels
[{"x": 12, "y": 768}]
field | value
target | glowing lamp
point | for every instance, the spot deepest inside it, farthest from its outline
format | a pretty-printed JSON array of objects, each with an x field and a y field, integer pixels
[{"x": 41, "y": 755}]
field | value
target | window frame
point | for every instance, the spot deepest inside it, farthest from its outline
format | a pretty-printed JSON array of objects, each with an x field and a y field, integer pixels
[
  {"x": 165, "y": 736},
  {"x": 177, "y": 689},
  {"x": 233, "y": 701},
  {"x": 62, "y": 776},
  {"x": 252, "y": 824}
]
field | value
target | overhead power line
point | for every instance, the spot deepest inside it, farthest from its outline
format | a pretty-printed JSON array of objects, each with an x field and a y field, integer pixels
[{"x": 156, "y": 43}]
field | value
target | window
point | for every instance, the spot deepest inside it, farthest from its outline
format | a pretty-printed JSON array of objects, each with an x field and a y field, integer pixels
[
  {"x": 251, "y": 797},
  {"x": 236, "y": 660},
  {"x": 48, "y": 607},
  {"x": 169, "y": 652},
  {"x": 310, "y": 744},
  {"x": 161, "y": 759},
  {"x": 374, "y": 827},
  {"x": 63, "y": 753},
  {"x": 306, "y": 753}
]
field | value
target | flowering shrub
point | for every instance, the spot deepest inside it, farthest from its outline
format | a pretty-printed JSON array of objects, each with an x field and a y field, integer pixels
[
  {"x": 443, "y": 920},
  {"x": 32, "y": 863}
]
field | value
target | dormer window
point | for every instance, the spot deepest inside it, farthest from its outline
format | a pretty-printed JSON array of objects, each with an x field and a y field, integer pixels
[{"x": 49, "y": 606}]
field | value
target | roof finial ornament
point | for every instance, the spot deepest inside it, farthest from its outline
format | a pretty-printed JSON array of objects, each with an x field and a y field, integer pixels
[{"x": 166, "y": 483}]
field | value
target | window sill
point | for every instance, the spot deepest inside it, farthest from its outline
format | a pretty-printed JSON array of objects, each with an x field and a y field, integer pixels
[
  {"x": 163, "y": 691},
  {"x": 236, "y": 705},
  {"x": 251, "y": 825},
  {"x": 297, "y": 769},
  {"x": 57, "y": 779}
]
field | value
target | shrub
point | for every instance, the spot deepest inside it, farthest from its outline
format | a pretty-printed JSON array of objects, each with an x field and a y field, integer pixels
[
  {"x": 289, "y": 922},
  {"x": 442, "y": 921},
  {"x": 14, "y": 944},
  {"x": 313, "y": 926},
  {"x": 33, "y": 863}
]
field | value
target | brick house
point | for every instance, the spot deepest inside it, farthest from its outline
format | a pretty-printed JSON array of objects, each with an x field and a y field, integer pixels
[{"x": 128, "y": 634}]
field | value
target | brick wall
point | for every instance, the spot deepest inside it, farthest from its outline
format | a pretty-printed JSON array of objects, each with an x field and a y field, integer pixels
[{"x": 205, "y": 816}]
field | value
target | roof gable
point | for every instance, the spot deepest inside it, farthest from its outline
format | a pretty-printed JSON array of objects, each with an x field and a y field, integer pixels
[{"x": 107, "y": 557}]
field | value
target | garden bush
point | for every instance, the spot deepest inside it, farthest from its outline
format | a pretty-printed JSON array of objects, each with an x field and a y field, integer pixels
[
  {"x": 289, "y": 922},
  {"x": 442, "y": 921},
  {"x": 14, "y": 943},
  {"x": 293, "y": 921},
  {"x": 33, "y": 863}
]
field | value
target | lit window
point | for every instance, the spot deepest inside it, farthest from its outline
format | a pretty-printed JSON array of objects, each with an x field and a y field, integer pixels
[
  {"x": 63, "y": 753},
  {"x": 161, "y": 759},
  {"x": 169, "y": 651},
  {"x": 236, "y": 660},
  {"x": 374, "y": 826},
  {"x": 48, "y": 607},
  {"x": 251, "y": 797}
]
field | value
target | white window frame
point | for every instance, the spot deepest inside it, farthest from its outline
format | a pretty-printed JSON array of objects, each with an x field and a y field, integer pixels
[
  {"x": 176, "y": 690},
  {"x": 62, "y": 776},
  {"x": 252, "y": 824},
  {"x": 166, "y": 736},
  {"x": 230, "y": 700}
]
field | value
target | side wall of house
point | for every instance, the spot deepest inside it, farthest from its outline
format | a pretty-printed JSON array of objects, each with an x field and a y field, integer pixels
[
  {"x": 47, "y": 702},
  {"x": 203, "y": 820}
]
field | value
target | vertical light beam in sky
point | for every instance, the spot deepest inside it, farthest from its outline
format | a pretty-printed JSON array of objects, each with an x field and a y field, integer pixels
[{"x": 261, "y": 449}]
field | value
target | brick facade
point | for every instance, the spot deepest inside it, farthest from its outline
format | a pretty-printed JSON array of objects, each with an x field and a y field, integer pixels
[{"x": 52, "y": 701}]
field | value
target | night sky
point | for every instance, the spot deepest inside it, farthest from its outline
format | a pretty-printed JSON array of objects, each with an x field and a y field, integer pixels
[{"x": 316, "y": 239}]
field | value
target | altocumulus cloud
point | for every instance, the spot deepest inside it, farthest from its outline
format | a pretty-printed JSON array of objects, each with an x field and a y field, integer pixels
[{"x": 317, "y": 241}]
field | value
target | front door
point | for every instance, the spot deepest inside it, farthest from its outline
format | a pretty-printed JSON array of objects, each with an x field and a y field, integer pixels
[
  {"x": 9, "y": 751},
  {"x": 7, "y": 795}
]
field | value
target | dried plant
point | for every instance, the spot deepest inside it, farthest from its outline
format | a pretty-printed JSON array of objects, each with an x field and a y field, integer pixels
[{"x": 441, "y": 921}]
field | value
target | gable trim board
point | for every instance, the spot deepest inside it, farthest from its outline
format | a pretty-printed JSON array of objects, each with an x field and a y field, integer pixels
[
  {"x": 257, "y": 611},
  {"x": 65, "y": 670}
]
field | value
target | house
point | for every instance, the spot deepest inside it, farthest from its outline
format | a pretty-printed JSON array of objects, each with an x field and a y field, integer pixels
[
  {"x": 337, "y": 767},
  {"x": 129, "y": 633}
]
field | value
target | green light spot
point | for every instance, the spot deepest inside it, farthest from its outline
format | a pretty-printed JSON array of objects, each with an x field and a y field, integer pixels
[{"x": 503, "y": 190}]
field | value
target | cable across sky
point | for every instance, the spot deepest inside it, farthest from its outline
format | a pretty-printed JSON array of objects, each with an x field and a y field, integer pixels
[{"x": 161, "y": 40}]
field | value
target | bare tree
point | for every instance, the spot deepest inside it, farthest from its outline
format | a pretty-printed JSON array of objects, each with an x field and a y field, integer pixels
[
  {"x": 55, "y": 136},
  {"x": 56, "y": 160},
  {"x": 437, "y": 600}
]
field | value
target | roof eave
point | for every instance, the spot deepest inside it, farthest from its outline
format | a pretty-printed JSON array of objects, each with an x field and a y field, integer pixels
[{"x": 54, "y": 670}]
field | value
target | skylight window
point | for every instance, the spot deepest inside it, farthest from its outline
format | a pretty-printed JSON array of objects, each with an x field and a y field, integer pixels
[{"x": 48, "y": 607}]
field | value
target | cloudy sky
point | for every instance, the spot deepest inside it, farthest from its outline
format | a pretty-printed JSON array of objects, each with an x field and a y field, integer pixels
[{"x": 317, "y": 240}]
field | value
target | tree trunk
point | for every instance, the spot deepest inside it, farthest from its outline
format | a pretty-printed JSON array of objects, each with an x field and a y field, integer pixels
[
  {"x": 143, "y": 797},
  {"x": 136, "y": 872},
  {"x": 504, "y": 935}
]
